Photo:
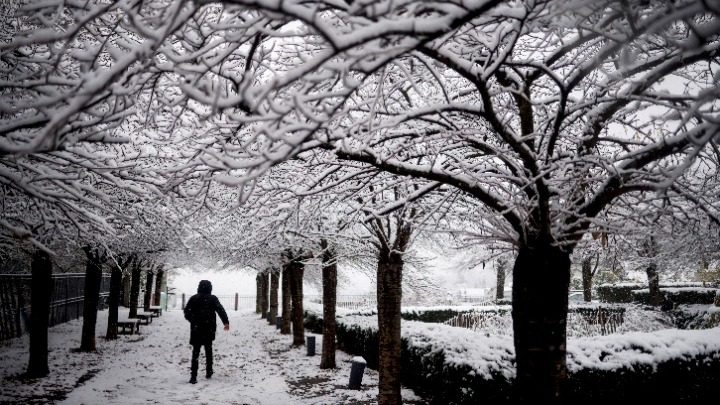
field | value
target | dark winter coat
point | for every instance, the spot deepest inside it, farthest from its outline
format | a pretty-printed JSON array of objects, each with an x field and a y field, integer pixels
[{"x": 200, "y": 311}]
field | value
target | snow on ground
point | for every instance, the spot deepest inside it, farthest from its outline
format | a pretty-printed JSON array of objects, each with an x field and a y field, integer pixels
[{"x": 254, "y": 365}]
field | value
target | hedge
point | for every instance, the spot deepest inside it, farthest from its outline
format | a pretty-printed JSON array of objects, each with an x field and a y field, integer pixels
[
  {"x": 679, "y": 296},
  {"x": 677, "y": 293},
  {"x": 458, "y": 366}
]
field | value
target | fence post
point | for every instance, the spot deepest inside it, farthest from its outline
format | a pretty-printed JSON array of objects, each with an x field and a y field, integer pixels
[
  {"x": 236, "y": 301},
  {"x": 183, "y": 301}
]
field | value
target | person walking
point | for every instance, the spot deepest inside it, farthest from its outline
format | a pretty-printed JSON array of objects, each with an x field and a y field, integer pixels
[{"x": 200, "y": 311}]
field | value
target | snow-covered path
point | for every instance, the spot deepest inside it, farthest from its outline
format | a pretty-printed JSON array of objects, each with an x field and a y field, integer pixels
[{"x": 254, "y": 365}]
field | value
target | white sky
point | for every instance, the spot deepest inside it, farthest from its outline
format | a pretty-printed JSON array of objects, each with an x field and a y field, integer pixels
[
  {"x": 231, "y": 282},
  {"x": 447, "y": 274}
]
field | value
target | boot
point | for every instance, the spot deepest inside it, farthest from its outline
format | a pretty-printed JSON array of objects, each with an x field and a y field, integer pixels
[
  {"x": 209, "y": 366},
  {"x": 193, "y": 370}
]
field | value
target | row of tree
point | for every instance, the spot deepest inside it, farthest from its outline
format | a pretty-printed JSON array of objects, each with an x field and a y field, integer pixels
[
  {"x": 286, "y": 283},
  {"x": 130, "y": 270}
]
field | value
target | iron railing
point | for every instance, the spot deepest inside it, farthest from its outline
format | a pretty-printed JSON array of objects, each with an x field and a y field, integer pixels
[{"x": 66, "y": 301}]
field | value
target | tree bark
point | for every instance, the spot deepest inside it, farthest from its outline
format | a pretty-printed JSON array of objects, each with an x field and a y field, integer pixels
[
  {"x": 113, "y": 302},
  {"x": 126, "y": 289},
  {"x": 258, "y": 294},
  {"x": 500, "y": 279},
  {"x": 9, "y": 299},
  {"x": 40, "y": 291},
  {"x": 286, "y": 300},
  {"x": 93, "y": 279},
  {"x": 541, "y": 280},
  {"x": 296, "y": 270},
  {"x": 264, "y": 299},
  {"x": 158, "y": 287},
  {"x": 650, "y": 250},
  {"x": 135, "y": 288},
  {"x": 389, "y": 295},
  {"x": 274, "y": 286},
  {"x": 587, "y": 275},
  {"x": 116, "y": 282},
  {"x": 147, "y": 299},
  {"x": 654, "y": 284},
  {"x": 329, "y": 281}
]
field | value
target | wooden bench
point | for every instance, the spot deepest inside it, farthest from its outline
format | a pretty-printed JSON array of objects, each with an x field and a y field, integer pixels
[
  {"x": 128, "y": 326},
  {"x": 145, "y": 317},
  {"x": 156, "y": 310}
]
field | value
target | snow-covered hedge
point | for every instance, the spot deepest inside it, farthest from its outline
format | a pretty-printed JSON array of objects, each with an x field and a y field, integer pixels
[
  {"x": 459, "y": 366},
  {"x": 679, "y": 293},
  {"x": 436, "y": 314}
]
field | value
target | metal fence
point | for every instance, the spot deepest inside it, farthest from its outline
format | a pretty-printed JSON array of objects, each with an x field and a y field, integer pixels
[
  {"x": 237, "y": 302},
  {"x": 353, "y": 302},
  {"x": 66, "y": 301},
  {"x": 346, "y": 301},
  {"x": 229, "y": 302}
]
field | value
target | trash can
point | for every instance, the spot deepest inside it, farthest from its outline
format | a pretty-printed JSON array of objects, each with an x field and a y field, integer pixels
[
  {"x": 310, "y": 345},
  {"x": 356, "y": 372}
]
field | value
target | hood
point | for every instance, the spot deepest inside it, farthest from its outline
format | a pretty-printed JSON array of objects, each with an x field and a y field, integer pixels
[{"x": 205, "y": 287}]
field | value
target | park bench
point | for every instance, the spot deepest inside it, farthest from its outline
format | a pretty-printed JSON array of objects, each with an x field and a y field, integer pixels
[
  {"x": 145, "y": 317},
  {"x": 128, "y": 326},
  {"x": 156, "y": 310}
]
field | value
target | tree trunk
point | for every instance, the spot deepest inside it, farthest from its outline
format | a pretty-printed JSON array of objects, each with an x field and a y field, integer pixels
[
  {"x": 389, "y": 296},
  {"x": 93, "y": 279},
  {"x": 587, "y": 278},
  {"x": 286, "y": 300},
  {"x": 296, "y": 270},
  {"x": 541, "y": 280},
  {"x": 500, "y": 289},
  {"x": 10, "y": 297},
  {"x": 274, "y": 286},
  {"x": 134, "y": 290},
  {"x": 650, "y": 250},
  {"x": 258, "y": 294},
  {"x": 126, "y": 289},
  {"x": 40, "y": 291},
  {"x": 158, "y": 287},
  {"x": 654, "y": 284},
  {"x": 113, "y": 302},
  {"x": 147, "y": 299},
  {"x": 329, "y": 281},
  {"x": 264, "y": 299}
]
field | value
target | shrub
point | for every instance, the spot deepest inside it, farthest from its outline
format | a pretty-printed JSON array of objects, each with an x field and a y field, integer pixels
[
  {"x": 679, "y": 296},
  {"x": 617, "y": 293},
  {"x": 431, "y": 315},
  {"x": 676, "y": 293},
  {"x": 450, "y": 365}
]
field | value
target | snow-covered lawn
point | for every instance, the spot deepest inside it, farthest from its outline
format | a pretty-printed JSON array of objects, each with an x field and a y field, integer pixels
[{"x": 254, "y": 365}]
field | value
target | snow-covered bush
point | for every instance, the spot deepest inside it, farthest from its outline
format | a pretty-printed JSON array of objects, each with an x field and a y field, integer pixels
[
  {"x": 453, "y": 365},
  {"x": 678, "y": 295}
]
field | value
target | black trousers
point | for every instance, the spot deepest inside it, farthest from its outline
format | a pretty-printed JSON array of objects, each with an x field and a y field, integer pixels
[{"x": 208, "y": 358}]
